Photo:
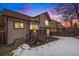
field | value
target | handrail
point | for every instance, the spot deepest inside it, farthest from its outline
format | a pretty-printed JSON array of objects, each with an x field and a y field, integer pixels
[{"x": 2, "y": 36}]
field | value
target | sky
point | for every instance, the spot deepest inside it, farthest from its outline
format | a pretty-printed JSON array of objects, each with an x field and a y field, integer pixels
[
  {"x": 34, "y": 9},
  {"x": 31, "y": 9}
]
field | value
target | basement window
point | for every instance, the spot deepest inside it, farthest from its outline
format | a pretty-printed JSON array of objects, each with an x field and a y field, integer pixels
[{"x": 18, "y": 25}]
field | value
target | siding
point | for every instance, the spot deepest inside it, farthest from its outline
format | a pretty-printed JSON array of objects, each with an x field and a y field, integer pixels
[
  {"x": 42, "y": 21},
  {"x": 16, "y": 33}
]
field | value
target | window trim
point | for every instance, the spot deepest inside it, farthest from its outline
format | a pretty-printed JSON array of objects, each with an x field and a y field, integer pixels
[{"x": 19, "y": 22}]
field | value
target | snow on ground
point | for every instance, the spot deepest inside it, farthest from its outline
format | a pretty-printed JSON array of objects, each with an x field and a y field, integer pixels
[
  {"x": 65, "y": 46},
  {"x": 77, "y": 37}
]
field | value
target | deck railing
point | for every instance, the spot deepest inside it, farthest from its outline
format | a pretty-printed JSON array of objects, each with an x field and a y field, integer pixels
[{"x": 2, "y": 37}]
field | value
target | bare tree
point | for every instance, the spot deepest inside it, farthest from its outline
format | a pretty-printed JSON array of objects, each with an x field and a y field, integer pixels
[{"x": 68, "y": 12}]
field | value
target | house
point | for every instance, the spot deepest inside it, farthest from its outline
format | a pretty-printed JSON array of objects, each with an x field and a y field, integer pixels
[
  {"x": 49, "y": 25},
  {"x": 17, "y": 25}
]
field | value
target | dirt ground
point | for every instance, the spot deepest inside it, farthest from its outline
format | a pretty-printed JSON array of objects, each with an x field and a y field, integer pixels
[{"x": 6, "y": 50}]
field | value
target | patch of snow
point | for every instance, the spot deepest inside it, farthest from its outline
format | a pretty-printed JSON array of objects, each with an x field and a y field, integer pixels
[
  {"x": 65, "y": 46},
  {"x": 77, "y": 37}
]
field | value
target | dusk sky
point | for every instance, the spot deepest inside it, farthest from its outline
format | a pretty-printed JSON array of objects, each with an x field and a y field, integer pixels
[
  {"x": 34, "y": 9},
  {"x": 31, "y": 9}
]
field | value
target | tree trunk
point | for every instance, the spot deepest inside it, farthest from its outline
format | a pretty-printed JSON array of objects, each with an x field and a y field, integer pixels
[{"x": 72, "y": 28}]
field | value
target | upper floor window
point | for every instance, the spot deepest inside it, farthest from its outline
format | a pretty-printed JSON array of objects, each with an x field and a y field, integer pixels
[
  {"x": 18, "y": 25},
  {"x": 46, "y": 22}
]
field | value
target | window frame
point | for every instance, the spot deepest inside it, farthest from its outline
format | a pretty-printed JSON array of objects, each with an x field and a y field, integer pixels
[
  {"x": 18, "y": 22},
  {"x": 36, "y": 25}
]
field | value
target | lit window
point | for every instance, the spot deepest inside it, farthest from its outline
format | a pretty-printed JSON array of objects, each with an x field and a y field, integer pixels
[
  {"x": 19, "y": 25},
  {"x": 33, "y": 27},
  {"x": 46, "y": 22}
]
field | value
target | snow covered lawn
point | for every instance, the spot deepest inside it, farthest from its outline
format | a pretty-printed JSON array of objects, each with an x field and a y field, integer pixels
[
  {"x": 65, "y": 46},
  {"x": 77, "y": 37}
]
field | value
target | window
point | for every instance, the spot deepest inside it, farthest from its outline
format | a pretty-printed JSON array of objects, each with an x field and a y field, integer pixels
[
  {"x": 46, "y": 22},
  {"x": 19, "y": 25},
  {"x": 33, "y": 26}
]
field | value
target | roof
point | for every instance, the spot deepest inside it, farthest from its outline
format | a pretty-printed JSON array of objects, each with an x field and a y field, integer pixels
[
  {"x": 14, "y": 14},
  {"x": 11, "y": 13},
  {"x": 45, "y": 13}
]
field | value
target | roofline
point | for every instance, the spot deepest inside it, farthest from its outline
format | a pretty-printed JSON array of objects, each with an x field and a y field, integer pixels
[
  {"x": 15, "y": 12},
  {"x": 41, "y": 14},
  {"x": 3, "y": 14},
  {"x": 46, "y": 13},
  {"x": 21, "y": 19},
  {"x": 25, "y": 14}
]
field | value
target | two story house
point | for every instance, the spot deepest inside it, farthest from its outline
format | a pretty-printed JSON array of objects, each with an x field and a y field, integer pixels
[
  {"x": 18, "y": 25},
  {"x": 46, "y": 23}
]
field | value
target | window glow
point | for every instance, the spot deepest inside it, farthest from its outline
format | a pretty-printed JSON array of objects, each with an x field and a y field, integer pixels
[
  {"x": 19, "y": 25},
  {"x": 33, "y": 27}
]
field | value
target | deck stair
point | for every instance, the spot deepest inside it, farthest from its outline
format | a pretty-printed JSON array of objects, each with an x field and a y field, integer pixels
[{"x": 35, "y": 37}]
